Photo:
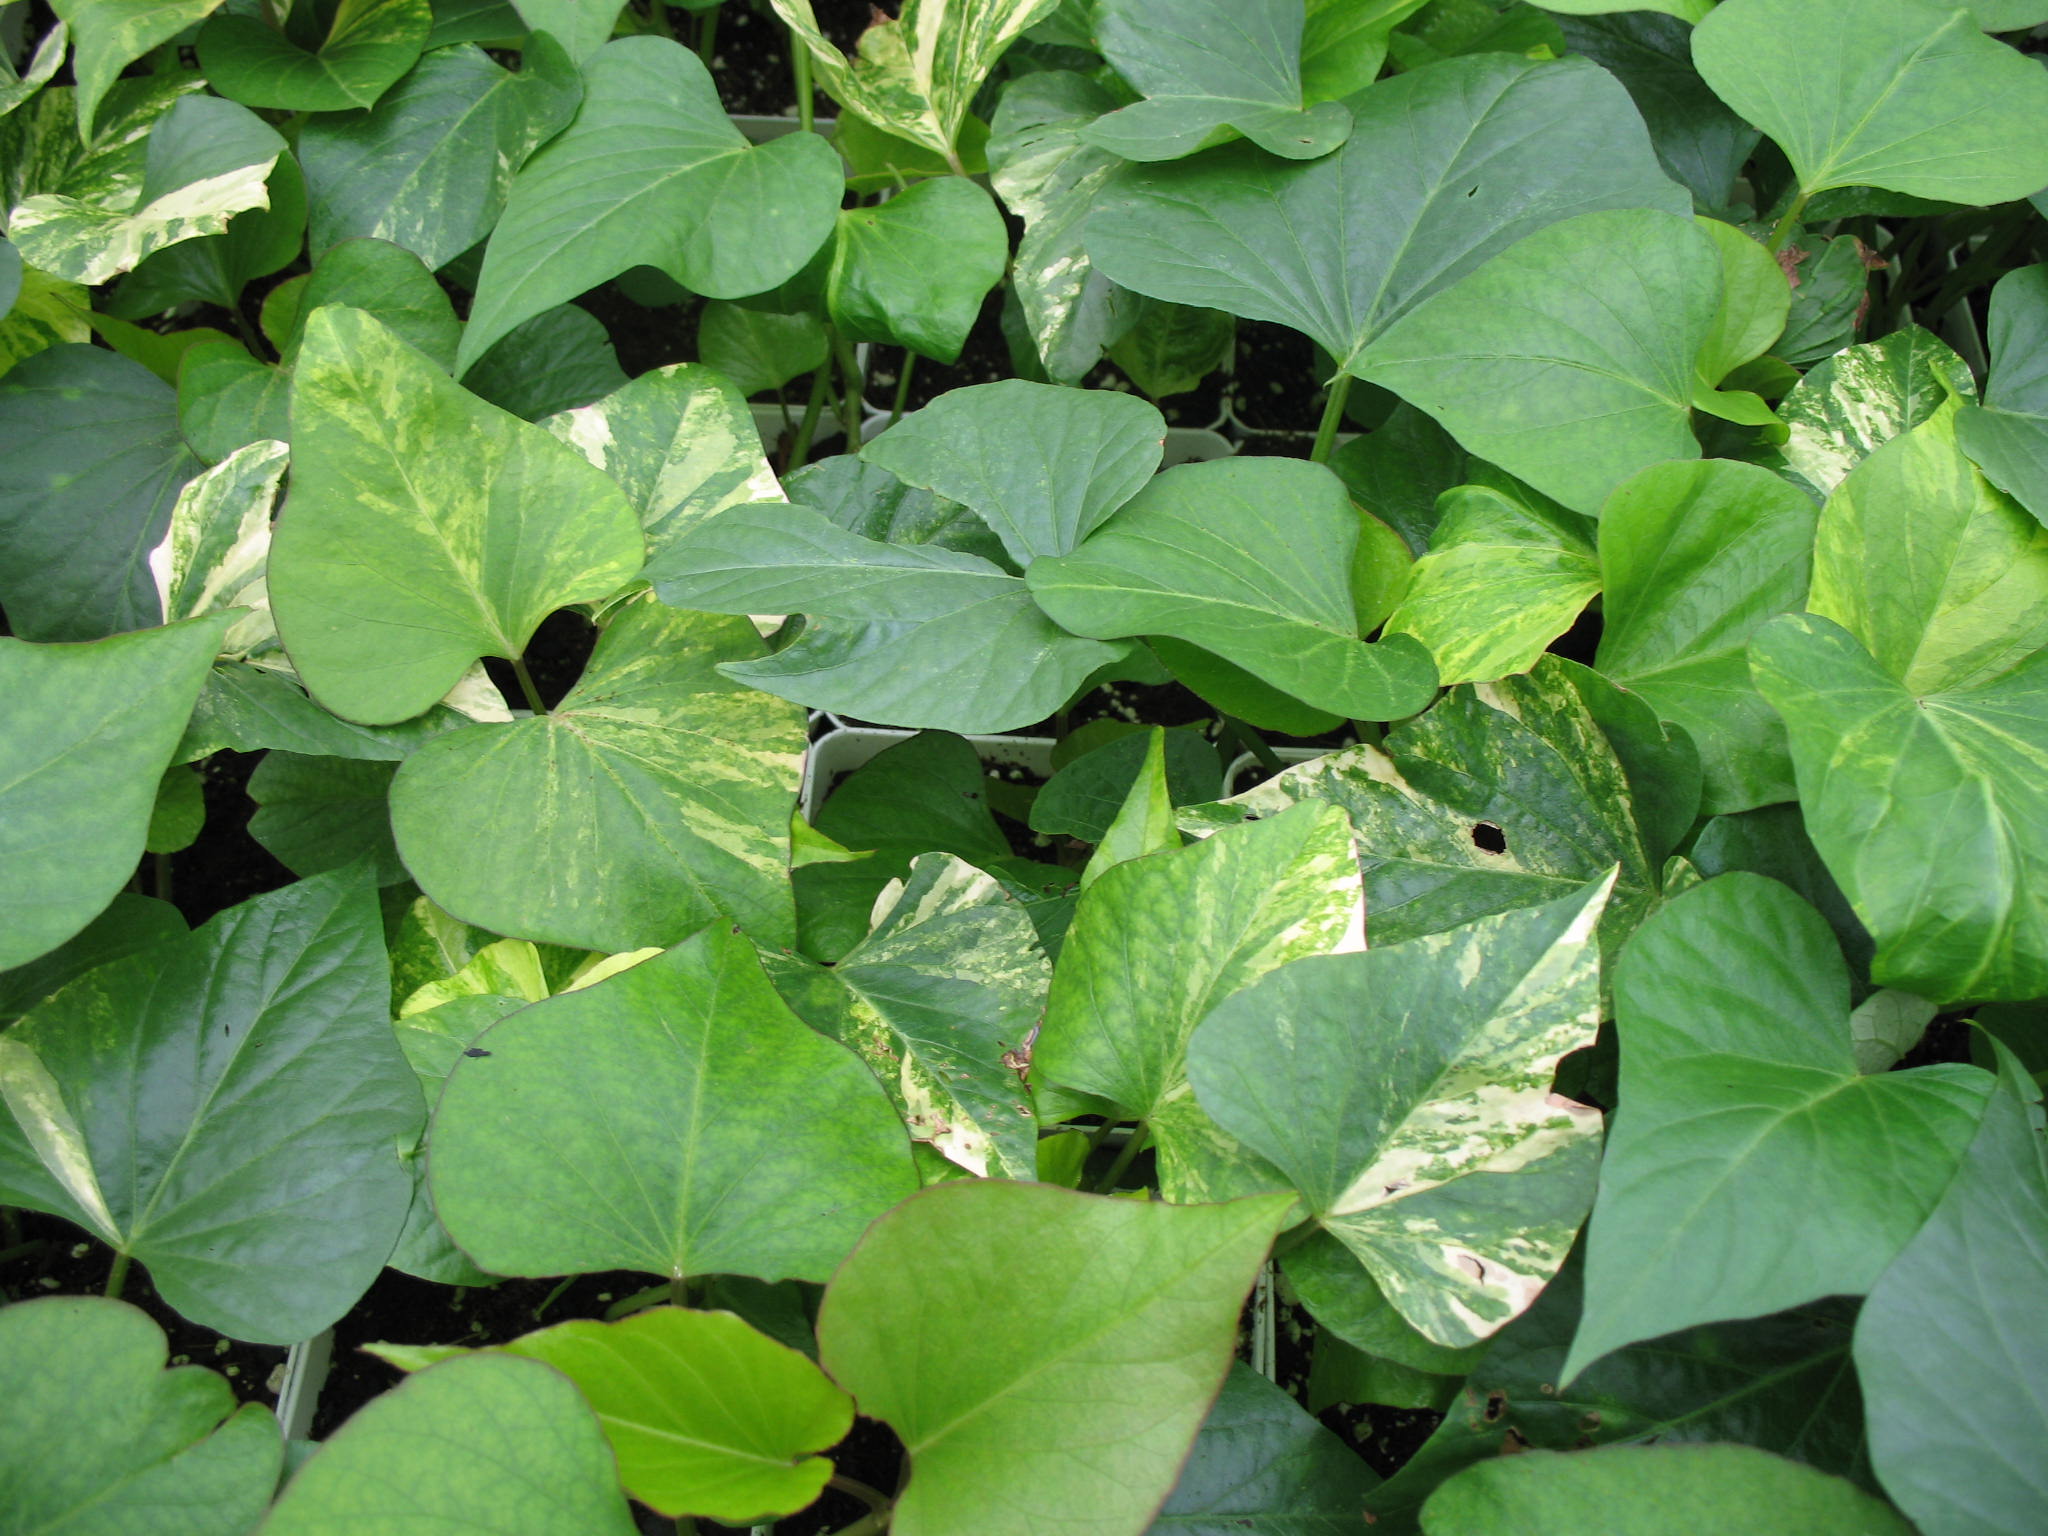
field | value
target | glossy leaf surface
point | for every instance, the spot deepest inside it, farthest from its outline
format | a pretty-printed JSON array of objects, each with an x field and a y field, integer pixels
[
  {"x": 367, "y": 47},
  {"x": 1851, "y": 404}
]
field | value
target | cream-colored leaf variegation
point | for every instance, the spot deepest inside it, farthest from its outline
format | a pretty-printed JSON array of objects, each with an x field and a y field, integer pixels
[{"x": 213, "y": 554}]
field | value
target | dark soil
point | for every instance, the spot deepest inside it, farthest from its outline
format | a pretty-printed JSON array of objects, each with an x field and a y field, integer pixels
[
  {"x": 750, "y": 59},
  {"x": 1276, "y": 380},
  {"x": 224, "y": 865},
  {"x": 645, "y": 337}
]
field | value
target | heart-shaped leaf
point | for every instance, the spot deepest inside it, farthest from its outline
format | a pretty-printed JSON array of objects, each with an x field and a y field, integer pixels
[
  {"x": 109, "y": 35},
  {"x": 1853, "y": 403},
  {"x": 912, "y": 272},
  {"x": 757, "y": 351},
  {"x": 927, "y": 1327},
  {"x": 2008, "y": 439},
  {"x": 368, "y": 46},
  {"x": 732, "y": 1139}
]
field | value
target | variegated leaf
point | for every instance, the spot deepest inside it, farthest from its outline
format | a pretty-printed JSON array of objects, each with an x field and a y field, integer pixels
[
  {"x": 916, "y": 74},
  {"x": 1405, "y": 1093},
  {"x": 47, "y": 313},
  {"x": 42, "y": 68},
  {"x": 212, "y": 556},
  {"x": 940, "y": 1000},
  {"x": 1850, "y": 405},
  {"x": 112, "y": 34}
]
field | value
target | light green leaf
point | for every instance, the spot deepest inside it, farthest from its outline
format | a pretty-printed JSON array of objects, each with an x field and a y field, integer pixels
[
  {"x": 47, "y": 312},
  {"x": 97, "y": 1437},
  {"x": 1741, "y": 1103},
  {"x": 429, "y": 167},
  {"x": 426, "y": 527},
  {"x": 581, "y": 25},
  {"x": 508, "y": 970},
  {"x": 555, "y": 361},
  {"x": 18, "y": 87},
  {"x": 1568, "y": 359},
  {"x": 1504, "y": 576},
  {"x": 1210, "y": 65},
  {"x": 91, "y": 731},
  {"x": 917, "y": 72},
  {"x": 1086, "y": 794},
  {"x": 483, "y": 1438},
  {"x": 1144, "y": 822},
  {"x": 1631, "y": 1490},
  {"x": 1405, "y": 1093},
  {"x": 1445, "y": 169},
  {"x": 208, "y": 160},
  {"x": 1942, "y": 579},
  {"x": 912, "y": 271},
  {"x": 1694, "y": 557},
  {"x": 1946, "y": 1346},
  {"x": 212, "y": 556},
  {"x": 653, "y": 799},
  {"x": 1170, "y": 348},
  {"x": 317, "y": 813},
  {"x": 680, "y": 443},
  {"x": 367, "y": 47},
  {"x": 2009, "y": 439},
  {"x": 1853, "y": 403},
  {"x": 730, "y": 1138},
  {"x": 1930, "y": 809},
  {"x": 258, "y": 1184},
  {"x": 940, "y": 1000},
  {"x": 1885, "y": 1026},
  {"x": 1756, "y": 299},
  {"x": 1909, "y": 96},
  {"x": 927, "y": 1327},
  {"x": 1684, "y": 10},
  {"x": 757, "y": 351},
  {"x": 112, "y": 34},
  {"x": 652, "y": 173},
  {"x": 1249, "y": 558}
]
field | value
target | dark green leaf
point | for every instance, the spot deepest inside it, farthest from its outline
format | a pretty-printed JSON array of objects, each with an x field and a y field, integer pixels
[
  {"x": 368, "y": 46},
  {"x": 557, "y": 360},
  {"x": 1083, "y": 798},
  {"x": 757, "y": 351},
  {"x": 317, "y": 813},
  {"x": 912, "y": 272}
]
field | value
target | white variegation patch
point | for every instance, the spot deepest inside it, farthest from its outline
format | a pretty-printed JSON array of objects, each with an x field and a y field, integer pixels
[{"x": 36, "y": 1101}]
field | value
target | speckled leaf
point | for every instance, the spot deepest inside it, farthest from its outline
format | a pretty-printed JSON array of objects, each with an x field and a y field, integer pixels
[
  {"x": 1931, "y": 809},
  {"x": 651, "y": 172},
  {"x": 1568, "y": 359},
  {"x": 112, "y": 34},
  {"x": 1504, "y": 795},
  {"x": 1694, "y": 557},
  {"x": 912, "y": 271},
  {"x": 213, "y": 554},
  {"x": 1947, "y": 1346},
  {"x": 1504, "y": 576},
  {"x": 928, "y": 1327},
  {"x": 97, "y": 1437},
  {"x": 1908, "y": 95},
  {"x": 940, "y": 1000},
  {"x": 730, "y": 1139},
  {"x": 1249, "y": 558},
  {"x": 504, "y": 1446},
  {"x": 257, "y": 1179},
  {"x": 426, "y": 528},
  {"x": 1445, "y": 168},
  {"x": 654, "y": 798},
  {"x": 1405, "y": 1093},
  {"x": 91, "y": 729},
  {"x": 2008, "y": 440},
  {"x": 1740, "y": 1104},
  {"x": 208, "y": 160},
  {"x": 916, "y": 73},
  {"x": 429, "y": 167},
  {"x": 1942, "y": 578},
  {"x": 47, "y": 312},
  {"x": 1209, "y": 65},
  {"x": 17, "y": 87},
  {"x": 1853, "y": 403},
  {"x": 368, "y": 46}
]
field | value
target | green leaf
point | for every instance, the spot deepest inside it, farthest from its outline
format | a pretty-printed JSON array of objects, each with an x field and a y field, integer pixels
[
  {"x": 2009, "y": 439},
  {"x": 178, "y": 813},
  {"x": 866, "y": 499},
  {"x": 48, "y": 311},
  {"x": 90, "y": 464},
  {"x": 1912, "y": 98},
  {"x": 1741, "y": 1101},
  {"x": 730, "y": 1138},
  {"x": 246, "y": 708},
  {"x": 1158, "y": 942},
  {"x": 1853, "y": 403},
  {"x": 1694, "y": 557},
  {"x": 912, "y": 272},
  {"x": 368, "y": 46},
  {"x": 92, "y": 729},
  {"x": 1399, "y": 469},
  {"x": 581, "y": 25},
  {"x": 129, "y": 925},
  {"x": 1083, "y": 798},
  {"x": 429, "y": 167},
  {"x": 112, "y": 34},
  {"x": 1446, "y": 168},
  {"x": 95, "y": 1435},
  {"x": 1344, "y": 44},
  {"x": 940, "y": 1000},
  {"x": 208, "y": 160},
  {"x": 655, "y": 797},
  {"x": 258, "y": 1183},
  {"x": 10, "y": 277},
  {"x": 1262, "y": 1465},
  {"x": 386, "y": 281},
  {"x": 1170, "y": 348},
  {"x": 1885, "y": 1026},
  {"x": 1828, "y": 300},
  {"x": 651, "y": 172},
  {"x": 482, "y": 1438},
  {"x": 1250, "y": 559},
  {"x": 426, "y": 528},
  {"x": 1043, "y": 466},
  {"x": 1684, "y": 10},
  {"x": 227, "y": 400},
  {"x": 1756, "y": 300},
  {"x": 1504, "y": 576},
  {"x": 1942, "y": 579},
  {"x": 318, "y": 813},
  {"x": 1946, "y": 1346},
  {"x": 927, "y": 1327},
  {"x": 1568, "y": 359},
  {"x": 17, "y": 87},
  {"x": 1144, "y": 822},
  {"x": 1928, "y": 808},
  {"x": 1405, "y": 1093},
  {"x": 213, "y": 554},
  {"x": 917, "y": 72},
  {"x": 758, "y": 351},
  {"x": 1630, "y": 1490},
  {"x": 1210, "y": 65},
  {"x": 558, "y": 360}
]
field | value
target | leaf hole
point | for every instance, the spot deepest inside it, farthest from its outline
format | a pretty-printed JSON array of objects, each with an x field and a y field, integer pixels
[
  {"x": 1496, "y": 1405},
  {"x": 1488, "y": 838}
]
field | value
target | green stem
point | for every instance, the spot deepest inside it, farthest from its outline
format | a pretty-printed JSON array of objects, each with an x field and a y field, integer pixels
[
  {"x": 800, "y": 63},
  {"x": 10, "y": 1226},
  {"x": 678, "y": 1291},
  {"x": 800, "y": 449},
  {"x": 526, "y": 686},
  {"x": 849, "y": 387},
  {"x": 1255, "y": 744},
  {"x": 117, "y": 1276},
  {"x": 251, "y": 337},
  {"x": 160, "y": 865},
  {"x": 552, "y": 1297},
  {"x": 903, "y": 386},
  {"x": 1124, "y": 1158},
  {"x": 1333, "y": 416},
  {"x": 874, "y": 1498},
  {"x": 657, "y": 12},
  {"x": 873, "y": 1523},
  {"x": 707, "y": 36},
  {"x": 1784, "y": 227}
]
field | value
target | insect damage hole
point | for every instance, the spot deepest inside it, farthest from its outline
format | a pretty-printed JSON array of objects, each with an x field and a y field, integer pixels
[{"x": 1488, "y": 838}]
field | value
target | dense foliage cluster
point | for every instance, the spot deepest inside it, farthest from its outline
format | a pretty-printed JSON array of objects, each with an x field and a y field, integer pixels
[{"x": 1608, "y": 1027}]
